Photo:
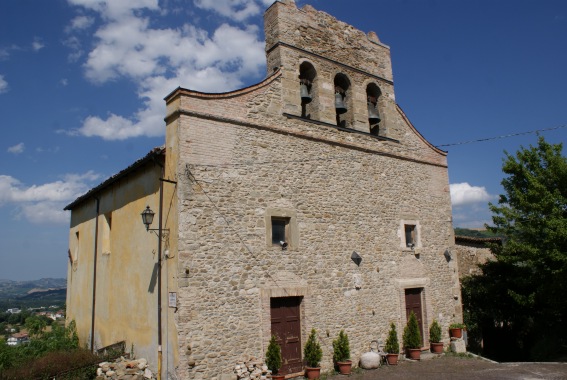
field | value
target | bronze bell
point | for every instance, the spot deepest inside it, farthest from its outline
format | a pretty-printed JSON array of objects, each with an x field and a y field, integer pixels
[
  {"x": 340, "y": 105},
  {"x": 373, "y": 115},
  {"x": 304, "y": 92}
]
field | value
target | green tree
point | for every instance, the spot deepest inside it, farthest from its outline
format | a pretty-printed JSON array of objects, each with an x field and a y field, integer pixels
[
  {"x": 35, "y": 325},
  {"x": 411, "y": 336},
  {"x": 312, "y": 351},
  {"x": 341, "y": 348},
  {"x": 392, "y": 344},
  {"x": 522, "y": 296},
  {"x": 274, "y": 356}
]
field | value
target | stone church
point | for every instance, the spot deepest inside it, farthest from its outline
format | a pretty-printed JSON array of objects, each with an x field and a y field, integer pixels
[{"x": 308, "y": 200}]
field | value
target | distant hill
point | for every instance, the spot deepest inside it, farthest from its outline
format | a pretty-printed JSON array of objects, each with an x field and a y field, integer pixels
[
  {"x": 42, "y": 292},
  {"x": 474, "y": 233}
]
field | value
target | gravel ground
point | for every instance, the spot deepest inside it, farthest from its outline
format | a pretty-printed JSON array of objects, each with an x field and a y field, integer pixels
[{"x": 453, "y": 367}]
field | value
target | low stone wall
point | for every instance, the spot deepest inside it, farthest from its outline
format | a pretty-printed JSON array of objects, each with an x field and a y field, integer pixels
[
  {"x": 252, "y": 369},
  {"x": 124, "y": 369}
]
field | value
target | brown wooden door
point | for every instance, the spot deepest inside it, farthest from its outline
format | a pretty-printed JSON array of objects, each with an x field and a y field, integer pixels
[
  {"x": 286, "y": 326},
  {"x": 413, "y": 303}
]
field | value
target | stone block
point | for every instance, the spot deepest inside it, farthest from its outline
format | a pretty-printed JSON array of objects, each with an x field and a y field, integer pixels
[{"x": 458, "y": 346}]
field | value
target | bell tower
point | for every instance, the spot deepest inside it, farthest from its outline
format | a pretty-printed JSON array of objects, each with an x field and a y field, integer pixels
[{"x": 331, "y": 72}]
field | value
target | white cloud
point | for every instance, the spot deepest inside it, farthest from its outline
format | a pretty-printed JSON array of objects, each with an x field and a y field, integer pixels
[
  {"x": 3, "y": 85},
  {"x": 80, "y": 23},
  {"x": 238, "y": 10},
  {"x": 114, "y": 10},
  {"x": 474, "y": 215},
  {"x": 160, "y": 60},
  {"x": 75, "y": 45},
  {"x": 37, "y": 45},
  {"x": 4, "y": 54},
  {"x": 44, "y": 203},
  {"x": 16, "y": 149},
  {"x": 463, "y": 193}
]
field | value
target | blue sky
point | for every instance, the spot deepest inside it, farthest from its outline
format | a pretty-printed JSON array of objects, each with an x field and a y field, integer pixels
[{"x": 82, "y": 84}]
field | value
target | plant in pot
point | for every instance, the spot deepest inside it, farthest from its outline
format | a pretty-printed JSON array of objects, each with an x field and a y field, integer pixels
[
  {"x": 312, "y": 354},
  {"x": 392, "y": 346},
  {"x": 436, "y": 346},
  {"x": 456, "y": 330},
  {"x": 274, "y": 358},
  {"x": 341, "y": 353},
  {"x": 412, "y": 338}
]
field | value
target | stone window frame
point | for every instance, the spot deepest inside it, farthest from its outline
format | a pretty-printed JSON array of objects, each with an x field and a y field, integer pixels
[
  {"x": 402, "y": 234},
  {"x": 292, "y": 231}
]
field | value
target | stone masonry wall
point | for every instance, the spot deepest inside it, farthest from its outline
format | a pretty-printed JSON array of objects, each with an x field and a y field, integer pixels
[
  {"x": 345, "y": 200},
  {"x": 471, "y": 252},
  {"x": 241, "y": 161}
]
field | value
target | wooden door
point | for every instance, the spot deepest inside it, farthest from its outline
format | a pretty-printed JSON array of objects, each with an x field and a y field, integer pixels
[
  {"x": 413, "y": 303},
  {"x": 286, "y": 326}
]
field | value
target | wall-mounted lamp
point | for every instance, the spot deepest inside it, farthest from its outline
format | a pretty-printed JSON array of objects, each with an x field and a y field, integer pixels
[
  {"x": 356, "y": 258},
  {"x": 283, "y": 244},
  {"x": 148, "y": 217},
  {"x": 447, "y": 255}
]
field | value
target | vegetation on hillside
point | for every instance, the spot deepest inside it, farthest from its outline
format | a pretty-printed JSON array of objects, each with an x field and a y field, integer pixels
[
  {"x": 475, "y": 233},
  {"x": 518, "y": 305}
]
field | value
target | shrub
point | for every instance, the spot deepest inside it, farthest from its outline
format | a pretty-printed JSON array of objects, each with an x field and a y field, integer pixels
[
  {"x": 60, "y": 338},
  {"x": 78, "y": 364},
  {"x": 412, "y": 336},
  {"x": 274, "y": 356},
  {"x": 435, "y": 332},
  {"x": 457, "y": 326},
  {"x": 312, "y": 351},
  {"x": 341, "y": 348},
  {"x": 392, "y": 344}
]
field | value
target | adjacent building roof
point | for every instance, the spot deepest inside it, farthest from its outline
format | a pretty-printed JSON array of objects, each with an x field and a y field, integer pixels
[{"x": 151, "y": 156}]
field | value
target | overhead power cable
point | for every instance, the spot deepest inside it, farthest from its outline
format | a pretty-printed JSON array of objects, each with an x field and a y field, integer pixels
[{"x": 502, "y": 136}]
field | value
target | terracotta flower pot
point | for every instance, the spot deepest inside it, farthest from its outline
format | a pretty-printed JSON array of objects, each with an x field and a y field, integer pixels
[
  {"x": 436, "y": 348},
  {"x": 278, "y": 377},
  {"x": 456, "y": 333},
  {"x": 414, "y": 353},
  {"x": 344, "y": 367},
  {"x": 312, "y": 372},
  {"x": 392, "y": 359}
]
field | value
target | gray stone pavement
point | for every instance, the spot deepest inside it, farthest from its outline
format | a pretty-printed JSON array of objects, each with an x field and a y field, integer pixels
[{"x": 454, "y": 367}]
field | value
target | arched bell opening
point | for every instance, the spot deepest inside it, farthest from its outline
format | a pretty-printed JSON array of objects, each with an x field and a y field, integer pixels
[
  {"x": 307, "y": 91},
  {"x": 372, "y": 100},
  {"x": 342, "y": 99}
]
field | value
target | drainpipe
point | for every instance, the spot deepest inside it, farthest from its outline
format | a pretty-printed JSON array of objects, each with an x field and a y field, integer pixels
[
  {"x": 160, "y": 236},
  {"x": 94, "y": 273},
  {"x": 160, "y": 232}
]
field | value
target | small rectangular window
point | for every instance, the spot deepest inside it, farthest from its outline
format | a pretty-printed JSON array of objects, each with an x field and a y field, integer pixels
[
  {"x": 280, "y": 230},
  {"x": 410, "y": 235}
]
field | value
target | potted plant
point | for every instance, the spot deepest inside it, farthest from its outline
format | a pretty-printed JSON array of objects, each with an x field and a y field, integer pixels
[
  {"x": 341, "y": 353},
  {"x": 274, "y": 358},
  {"x": 392, "y": 346},
  {"x": 456, "y": 330},
  {"x": 436, "y": 346},
  {"x": 312, "y": 353},
  {"x": 412, "y": 338}
]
